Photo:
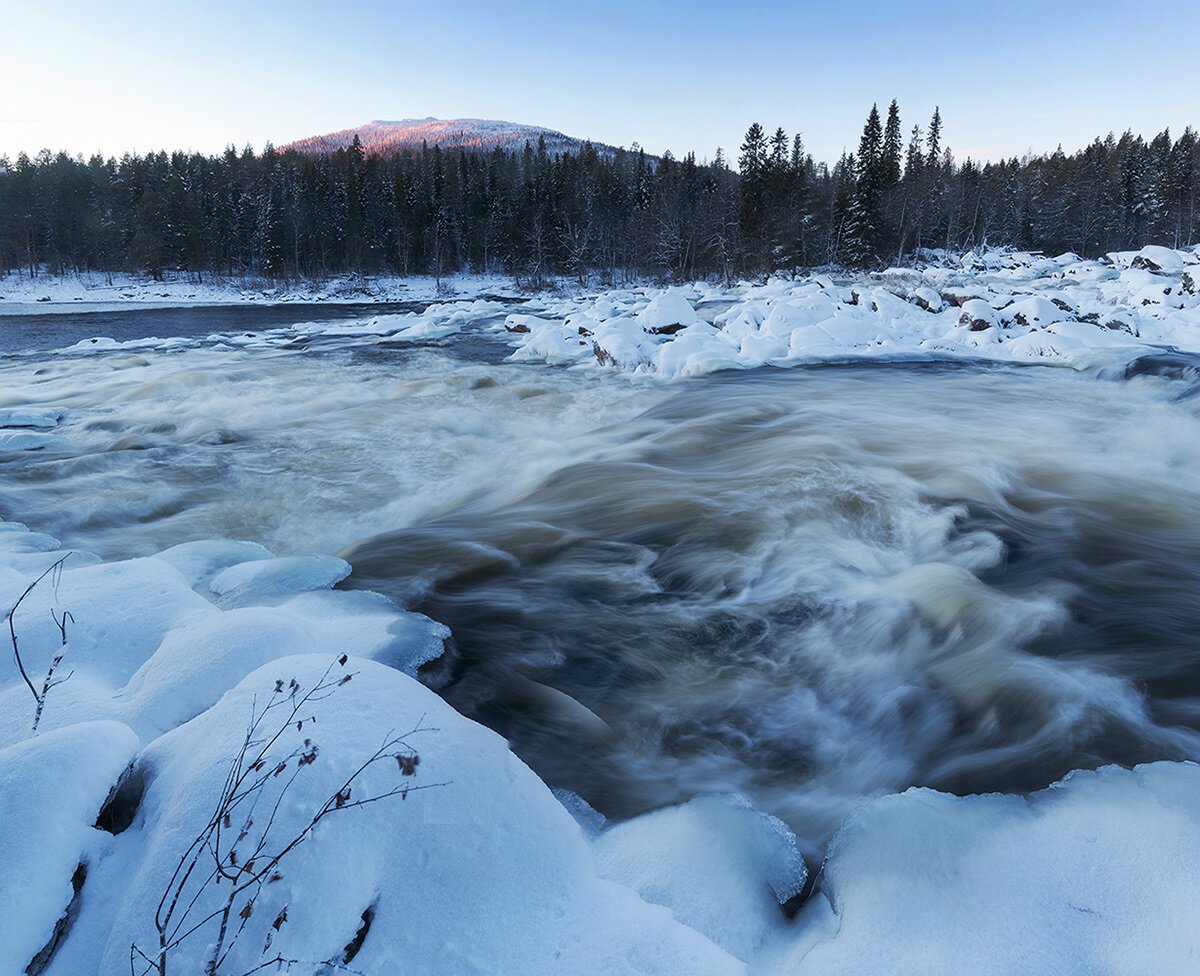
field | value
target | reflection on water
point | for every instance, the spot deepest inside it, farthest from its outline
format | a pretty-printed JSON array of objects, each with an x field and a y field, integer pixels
[{"x": 809, "y": 586}]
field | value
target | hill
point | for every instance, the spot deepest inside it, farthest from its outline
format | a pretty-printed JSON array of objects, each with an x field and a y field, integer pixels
[{"x": 382, "y": 137}]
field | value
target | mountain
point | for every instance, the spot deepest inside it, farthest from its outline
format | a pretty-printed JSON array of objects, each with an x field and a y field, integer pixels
[{"x": 382, "y": 137}]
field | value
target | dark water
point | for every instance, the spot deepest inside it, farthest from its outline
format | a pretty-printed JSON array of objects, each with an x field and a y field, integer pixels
[
  {"x": 810, "y": 586},
  {"x": 57, "y": 330}
]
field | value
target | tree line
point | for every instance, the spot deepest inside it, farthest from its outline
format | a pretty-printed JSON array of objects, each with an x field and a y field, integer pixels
[{"x": 614, "y": 216}]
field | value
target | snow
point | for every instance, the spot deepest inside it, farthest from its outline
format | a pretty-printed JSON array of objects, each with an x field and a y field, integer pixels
[
  {"x": 93, "y": 291},
  {"x": 53, "y": 787},
  {"x": 999, "y": 306},
  {"x": 720, "y": 866},
  {"x": 994, "y": 305},
  {"x": 670, "y": 308},
  {"x": 1096, "y": 874},
  {"x": 480, "y": 871},
  {"x": 264, "y": 581},
  {"x": 200, "y": 561}
]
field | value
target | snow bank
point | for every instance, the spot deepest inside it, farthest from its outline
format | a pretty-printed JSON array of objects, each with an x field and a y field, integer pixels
[
  {"x": 995, "y": 305},
  {"x": 1096, "y": 874},
  {"x": 20, "y": 294},
  {"x": 479, "y": 870},
  {"x": 51, "y": 790}
]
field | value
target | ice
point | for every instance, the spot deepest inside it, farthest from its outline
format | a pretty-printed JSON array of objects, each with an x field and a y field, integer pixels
[
  {"x": 29, "y": 440},
  {"x": 30, "y": 417},
  {"x": 273, "y": 580}
]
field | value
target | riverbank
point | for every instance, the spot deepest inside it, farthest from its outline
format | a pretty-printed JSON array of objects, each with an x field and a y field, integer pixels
[{"x": 21, "y": 294}]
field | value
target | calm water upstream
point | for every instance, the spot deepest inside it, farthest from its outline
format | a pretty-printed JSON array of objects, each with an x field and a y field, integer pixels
[{"x": 809, "y": 586}]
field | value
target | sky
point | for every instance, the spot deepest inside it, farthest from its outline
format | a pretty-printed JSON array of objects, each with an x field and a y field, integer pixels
[{"x": 1008, "y": 76}]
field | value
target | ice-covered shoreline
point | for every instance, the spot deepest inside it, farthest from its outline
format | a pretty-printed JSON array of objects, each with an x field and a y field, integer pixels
[
  {"x": 485, "y": 870},
  {"x": 996, "y": 306}
]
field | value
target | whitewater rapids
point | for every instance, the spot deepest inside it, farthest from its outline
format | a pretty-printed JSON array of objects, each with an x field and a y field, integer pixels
[{"x": 810, "y": 586}]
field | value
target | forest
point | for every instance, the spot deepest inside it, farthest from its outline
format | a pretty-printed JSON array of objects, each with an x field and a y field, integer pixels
[{"x": 612, "y": 216}]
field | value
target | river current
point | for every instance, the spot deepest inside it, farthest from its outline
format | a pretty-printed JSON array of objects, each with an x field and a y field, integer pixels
[{"x": 809, "y": 586}]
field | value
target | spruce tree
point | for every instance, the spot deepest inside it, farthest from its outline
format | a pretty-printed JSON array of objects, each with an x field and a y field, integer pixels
[
  {"x": 892, "y": 147},
  {"x": 752, "y": 165},
  {"x": 864, "y": 226},
  {"x": 933, "y": 139}
]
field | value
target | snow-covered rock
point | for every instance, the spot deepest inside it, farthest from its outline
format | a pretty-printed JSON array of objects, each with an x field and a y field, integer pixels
[
  {"x": 479, "y": 870},
  {"x": 51, "y": 790},
  {"x": 667, "y": 311},
  {"x": 722, "y": 868},
  {"x": 263, "y": 581},
  {"x": 1096, "y": 874}
]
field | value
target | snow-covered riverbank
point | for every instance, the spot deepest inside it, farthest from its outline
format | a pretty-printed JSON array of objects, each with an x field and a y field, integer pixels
[
  {"x": 21, "y": 294},
  {"x": 998, "y": 306}
]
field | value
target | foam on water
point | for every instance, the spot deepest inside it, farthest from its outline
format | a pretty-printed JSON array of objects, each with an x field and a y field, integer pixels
[{"x": 808, "y": 586}]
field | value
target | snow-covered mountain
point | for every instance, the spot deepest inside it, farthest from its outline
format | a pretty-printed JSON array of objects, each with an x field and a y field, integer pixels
[{"x": 382, "y": 136}]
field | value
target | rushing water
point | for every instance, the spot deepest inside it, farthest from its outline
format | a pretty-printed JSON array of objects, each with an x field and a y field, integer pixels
[{"x": 809, "y": 586}]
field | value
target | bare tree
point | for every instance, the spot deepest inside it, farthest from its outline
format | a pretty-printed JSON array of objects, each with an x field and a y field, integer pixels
[
  {"x": 49, "y": 682},
  {"x": 238, "y": 850}
]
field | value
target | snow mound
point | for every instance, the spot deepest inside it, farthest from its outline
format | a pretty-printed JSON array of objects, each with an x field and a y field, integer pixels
[
  {"x": 1096, "y": 874},
  {"x": 51, "y": 790},
  {"x": 200, "y": 561},
  {"x": 263, "y": 581},
  {"x": 722, "y": 868},
  {"x": 666, "y": 310},
  {"x": 479, "y": 870}
]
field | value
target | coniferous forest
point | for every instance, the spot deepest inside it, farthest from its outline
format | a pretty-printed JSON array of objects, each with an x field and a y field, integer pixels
[{"x": 615, "y": 215}]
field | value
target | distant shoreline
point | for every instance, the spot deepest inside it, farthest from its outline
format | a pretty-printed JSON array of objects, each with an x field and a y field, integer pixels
[{"x": 21, "y": 294}]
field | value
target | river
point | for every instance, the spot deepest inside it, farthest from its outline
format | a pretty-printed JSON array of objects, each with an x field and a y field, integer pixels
[{"x": 809, "y": 586}]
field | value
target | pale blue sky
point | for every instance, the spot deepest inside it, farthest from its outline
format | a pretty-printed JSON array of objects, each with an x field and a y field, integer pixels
[{"x": 1009, "y": 76}]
